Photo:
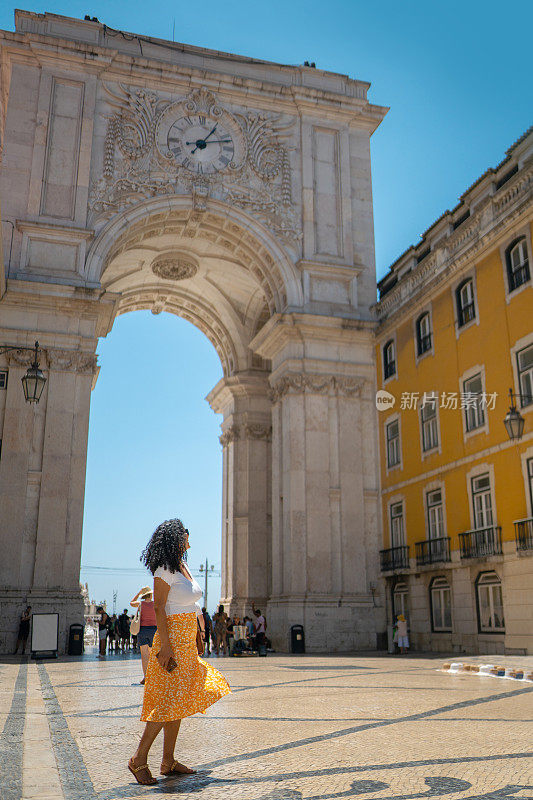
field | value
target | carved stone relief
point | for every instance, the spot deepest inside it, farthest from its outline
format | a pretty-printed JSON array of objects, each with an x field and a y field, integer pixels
[
  {"x": 176, "y": 267},
  {"x": 318, "y": 384},
  {"x": 138, "y": 163}
]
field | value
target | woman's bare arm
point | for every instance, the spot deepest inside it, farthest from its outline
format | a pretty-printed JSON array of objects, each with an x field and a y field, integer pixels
[{"x": 161, "y": 590}]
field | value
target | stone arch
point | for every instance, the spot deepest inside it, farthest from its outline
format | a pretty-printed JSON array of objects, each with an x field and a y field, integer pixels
[
  {"x": 239, "y": 234},
  {"x": 217, "y": 268}
]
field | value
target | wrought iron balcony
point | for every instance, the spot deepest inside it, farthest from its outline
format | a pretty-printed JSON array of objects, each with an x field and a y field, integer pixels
[
  {"x": 523, "y": 531},
  {"x": 481, "y": 542},
  {"x": 431, "y": 551},
  {"x": 394, "y": 558}
]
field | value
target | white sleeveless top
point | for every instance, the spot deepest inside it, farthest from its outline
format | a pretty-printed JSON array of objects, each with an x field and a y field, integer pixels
[{"x": 183, "y": 595}]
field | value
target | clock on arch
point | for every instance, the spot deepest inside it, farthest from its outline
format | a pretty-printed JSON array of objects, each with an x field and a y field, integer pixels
[{"x": 200, "y": 136}]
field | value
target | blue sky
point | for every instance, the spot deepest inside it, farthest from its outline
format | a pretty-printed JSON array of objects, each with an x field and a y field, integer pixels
[{"x": 457, "y": 77}]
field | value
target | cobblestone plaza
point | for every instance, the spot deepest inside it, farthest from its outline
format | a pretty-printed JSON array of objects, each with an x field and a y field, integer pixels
[{"x": 294, "y": 728}]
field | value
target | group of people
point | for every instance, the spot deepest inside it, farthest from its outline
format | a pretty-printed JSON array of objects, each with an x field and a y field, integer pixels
[
  {"x": 114, "y": 632},
  {"x": 233, "y": 635}
]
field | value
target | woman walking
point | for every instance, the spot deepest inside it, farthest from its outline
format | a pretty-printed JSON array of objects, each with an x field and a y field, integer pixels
[
  {"x": 145, "y": 637},
  {"x": 178, "y": 682}
]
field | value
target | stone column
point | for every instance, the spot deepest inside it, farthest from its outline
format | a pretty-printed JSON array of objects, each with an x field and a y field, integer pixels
[
  {"x": 324, "y": 481},
  {"x": 246, "y": 499},
  {"x": 42, "y": 486}
]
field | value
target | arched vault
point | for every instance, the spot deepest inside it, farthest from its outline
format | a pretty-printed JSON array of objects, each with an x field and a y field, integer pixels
[{"x": 218, "y": 268}]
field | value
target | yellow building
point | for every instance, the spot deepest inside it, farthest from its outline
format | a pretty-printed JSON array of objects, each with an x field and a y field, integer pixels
[{"x": 455, "y": 334}]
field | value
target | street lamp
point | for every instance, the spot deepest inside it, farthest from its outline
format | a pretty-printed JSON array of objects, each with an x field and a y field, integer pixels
[
  {"x": 514, "y": 422},
  {"x": 34, "y": 380}
]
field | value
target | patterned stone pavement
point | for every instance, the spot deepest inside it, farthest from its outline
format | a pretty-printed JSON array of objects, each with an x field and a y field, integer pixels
[{"x": 295, "y": 728}]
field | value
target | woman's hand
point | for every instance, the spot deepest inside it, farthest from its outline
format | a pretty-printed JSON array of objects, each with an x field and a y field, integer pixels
[{"x": 165, "y": 654}]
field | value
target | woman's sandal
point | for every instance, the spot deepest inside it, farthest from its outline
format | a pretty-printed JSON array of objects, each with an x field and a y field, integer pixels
[
  {"x": 135, "y": 770},
  {"x": 175, "y": 771}
]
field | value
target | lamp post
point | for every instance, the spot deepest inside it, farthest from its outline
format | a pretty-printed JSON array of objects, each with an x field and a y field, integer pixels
[
  {"x": 204, "y": 569},
  {"x": 33, "y": 381},
  {"x": 514, "y": 421}
]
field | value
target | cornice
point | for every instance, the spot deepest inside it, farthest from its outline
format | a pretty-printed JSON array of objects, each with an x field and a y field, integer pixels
[
  {"x": 142, "y": 71},
  {"x": 473, "y": 238}
]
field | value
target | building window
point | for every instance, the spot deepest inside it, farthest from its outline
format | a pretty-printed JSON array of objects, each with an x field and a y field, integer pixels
[
  {"x": 3, "y": 378},
  {"x": 472, "y": 399},
  {"x": 430, "y": 431},
  {"x": 482, "y": 502},
  {"x": 525, "y": 375},
  {"x": 517, "y": 263},
  {"x": 389, "y": 360},
  {"x": 393, "y": 443},
  {"x": 435, "y": 514},
  {"x": 466, "y": 309},
  {"x": 423, "y": 334},
  {"x": 490, "y": 603},
  {"x": 529, "y": 465},
  {"x": 396, "y": 525},
  {"x": 441, "y": 605},
  {"x": 399, "y": 601}
]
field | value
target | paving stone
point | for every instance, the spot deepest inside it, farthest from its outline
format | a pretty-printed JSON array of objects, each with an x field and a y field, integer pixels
[{"x": 294, "y": 728}]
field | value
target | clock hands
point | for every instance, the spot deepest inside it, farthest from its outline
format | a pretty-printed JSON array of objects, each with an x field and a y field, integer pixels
[
  {"x": 202, "y": 143},
  {"x": 213, "y": 141}
]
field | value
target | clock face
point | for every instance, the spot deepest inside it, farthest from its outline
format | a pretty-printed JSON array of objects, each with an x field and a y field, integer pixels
[{"x": 201, "y": 144}]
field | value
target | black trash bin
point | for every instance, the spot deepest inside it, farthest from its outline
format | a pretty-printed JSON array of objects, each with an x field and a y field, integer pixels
[
  {"x": 75, "y": 640},
  {"x": 297, "y": 639}
]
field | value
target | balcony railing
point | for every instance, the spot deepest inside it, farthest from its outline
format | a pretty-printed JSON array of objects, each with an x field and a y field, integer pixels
[
  {"x": 394, "y": 558},
  {"x": 481, "y": 542},
  {"x": 431, "y": 551},
  {"x": 523, "y": 531}
]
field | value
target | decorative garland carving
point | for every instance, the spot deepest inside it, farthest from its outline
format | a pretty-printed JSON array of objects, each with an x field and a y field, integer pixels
[
  {"x": 135, "y": 169},
  {"x": 297, "y": 383},
  {"x": 72, "y": 361},
  {"x": 257, "y": 430},
  {"x": 56, "y": 359}
]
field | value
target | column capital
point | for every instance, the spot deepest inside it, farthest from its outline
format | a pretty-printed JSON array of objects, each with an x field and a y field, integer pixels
[{"x": 248, "y": 386}]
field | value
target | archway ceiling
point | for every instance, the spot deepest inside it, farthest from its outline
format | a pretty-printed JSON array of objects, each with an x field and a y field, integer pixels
[{"x": 224, "y": 298}]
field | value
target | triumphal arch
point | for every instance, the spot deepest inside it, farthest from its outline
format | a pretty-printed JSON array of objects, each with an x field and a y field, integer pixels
[{"x": 144, "y": 174}]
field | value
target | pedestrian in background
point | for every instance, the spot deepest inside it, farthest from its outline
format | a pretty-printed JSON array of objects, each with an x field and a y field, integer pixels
[
  {"x": 103, "y": 624},
  {"x": 145, "y": 637},
  {"x": 208, "y": 629},
  {"x": 259, "y": 628},
  {"x": 220, "y": 624},
  {"x": 124, "y": 630},
  {"x": 402, "y": 637},
  {"x": 24, "y": 630},
  {"x": 178, "y": 682}
]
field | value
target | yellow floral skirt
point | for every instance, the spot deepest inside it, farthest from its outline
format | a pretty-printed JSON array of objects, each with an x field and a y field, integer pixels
[{"x": 193, "y": 686}]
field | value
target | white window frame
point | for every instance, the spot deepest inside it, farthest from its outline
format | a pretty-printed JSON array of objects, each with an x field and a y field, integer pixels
[
  {"x": 400, "y": 590},
  {"x": 441, "y": 533},
  {"x": 439, "y": 586},
  {"x": 393, "y": 542},
  {"x": 394, "y": 418},
  {"x": 470, "y": 373},
  {"x": 484, "y": 515},
  {"x": 436, "y": 447},
  {"x": 470, "y": 275},
  {"x": 477, "y": 472},
  {"x": 422, "y": 312},
  {"x": 488, "y": 581},
  {"x": 521, "y": 344},
  {"x": 525, "y": 232},
  {"x": 527, "y": 459},
  {"x": 394, "y": 375}
]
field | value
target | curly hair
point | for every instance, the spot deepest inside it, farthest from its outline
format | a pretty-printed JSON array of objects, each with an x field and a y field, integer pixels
[{"x": 167, "y": 546}]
